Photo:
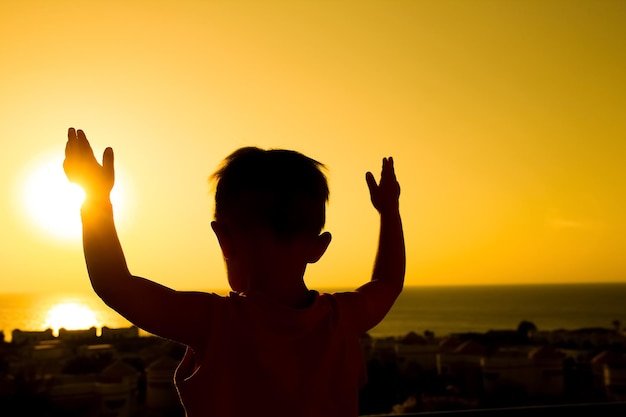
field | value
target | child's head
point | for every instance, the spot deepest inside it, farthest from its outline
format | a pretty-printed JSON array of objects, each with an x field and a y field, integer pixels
[{"x": 281, "y": 191}]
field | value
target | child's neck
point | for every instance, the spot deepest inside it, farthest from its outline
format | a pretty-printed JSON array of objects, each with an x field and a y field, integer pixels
[{"x": 293, "y": 296}]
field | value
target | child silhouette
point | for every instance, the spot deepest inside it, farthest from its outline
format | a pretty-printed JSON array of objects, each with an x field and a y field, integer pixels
[{"x": 272, "y": 346}]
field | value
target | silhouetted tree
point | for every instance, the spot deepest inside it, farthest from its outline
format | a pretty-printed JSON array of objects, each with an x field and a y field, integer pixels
[
  {"x": 617, "y": 325},
  {"x": 525, "y": 329}
]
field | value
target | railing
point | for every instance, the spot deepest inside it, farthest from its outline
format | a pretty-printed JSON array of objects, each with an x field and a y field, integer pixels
[{"x": 613, "y": 409}]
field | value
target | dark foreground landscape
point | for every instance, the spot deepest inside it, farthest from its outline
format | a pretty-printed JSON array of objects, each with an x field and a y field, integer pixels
[{"x": 120, "y": 373}]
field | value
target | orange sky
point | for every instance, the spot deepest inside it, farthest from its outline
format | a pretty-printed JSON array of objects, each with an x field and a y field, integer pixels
[{"x": 506, "y": 120}]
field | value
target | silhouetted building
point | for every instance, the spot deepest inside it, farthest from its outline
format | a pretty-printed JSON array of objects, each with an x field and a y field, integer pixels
[
  {"x": 609, "y": 372},
  {"x": 109, "y": 334},
  {"x": 536, "y": 372},
  {"x": 73, "y": 394},
  {"x": 117, "y": 386},
  {"x": 586, "y": 337},
  {"x": 161, "y": 394},
  {"x": 462, "y": 367},
  {"x": 65, "y": 334},
  {"x": 20, "y": 337},
  {"x": 414, "y": 349}
]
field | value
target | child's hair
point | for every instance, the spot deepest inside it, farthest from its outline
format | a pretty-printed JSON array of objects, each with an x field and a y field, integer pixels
[{"x": 281, "y": 190}]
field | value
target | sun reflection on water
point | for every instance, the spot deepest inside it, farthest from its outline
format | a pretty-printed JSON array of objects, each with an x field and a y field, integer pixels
[{"x": 70, "y": 316}]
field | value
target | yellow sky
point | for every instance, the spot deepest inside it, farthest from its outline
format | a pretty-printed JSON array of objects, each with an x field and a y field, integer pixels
[{"x": 506, "y": 120}]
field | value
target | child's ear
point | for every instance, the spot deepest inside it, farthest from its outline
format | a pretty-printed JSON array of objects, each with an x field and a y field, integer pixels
[
  {"x": 320, "y": 245},
  {"x": 222, "y": 238}
]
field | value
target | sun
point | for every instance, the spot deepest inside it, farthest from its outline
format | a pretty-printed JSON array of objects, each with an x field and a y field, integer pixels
[
  {"x": 52, "y": 202},
  {"x": 70, "y": 316}
]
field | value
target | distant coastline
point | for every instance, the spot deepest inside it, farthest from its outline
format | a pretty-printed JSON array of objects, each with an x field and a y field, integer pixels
[
  {"x": 439, "y": 309},
  {"x": 225, "y": 290}
]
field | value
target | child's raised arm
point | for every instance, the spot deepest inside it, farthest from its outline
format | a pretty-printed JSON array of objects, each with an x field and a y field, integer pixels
[
  {"x": 151, "y": 306},
  {"x": 388, "y": 275}
]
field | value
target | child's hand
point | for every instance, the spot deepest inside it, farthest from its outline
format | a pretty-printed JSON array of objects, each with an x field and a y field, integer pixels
[
  {"x": 385, "y": 194},
  {"x": 81, "y": 167}
]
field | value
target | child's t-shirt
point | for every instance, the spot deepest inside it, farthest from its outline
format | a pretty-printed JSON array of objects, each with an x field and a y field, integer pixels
[{"x": 266, "y": 359}]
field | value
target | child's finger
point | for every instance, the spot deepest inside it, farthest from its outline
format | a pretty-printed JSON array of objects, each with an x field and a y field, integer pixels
[
  {"x": 71, "y": 134},
  {"x": 107, "y": 161},
  {"x": 83, "y": 143},
  {"x": 385, "y": 170},
  {"x": 71, "y": 140},
  {"x": 371, "y": 182},
  {"x": 388, "y": 169},
  {"x": 81, "y": 135}
]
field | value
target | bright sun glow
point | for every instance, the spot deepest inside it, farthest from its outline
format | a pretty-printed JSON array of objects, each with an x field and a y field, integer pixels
[
  {"x": 70, "y": 316},
  {"x": 52, "y": 202}
]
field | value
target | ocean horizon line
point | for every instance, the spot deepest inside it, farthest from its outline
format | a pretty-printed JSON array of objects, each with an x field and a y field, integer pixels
[
  {"x": 443, "y": 309},
  {"x": 225, "y": 290}
]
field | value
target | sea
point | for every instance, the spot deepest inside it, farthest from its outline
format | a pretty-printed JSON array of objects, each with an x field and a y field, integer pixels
[{"x": 442, "y": 310}]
